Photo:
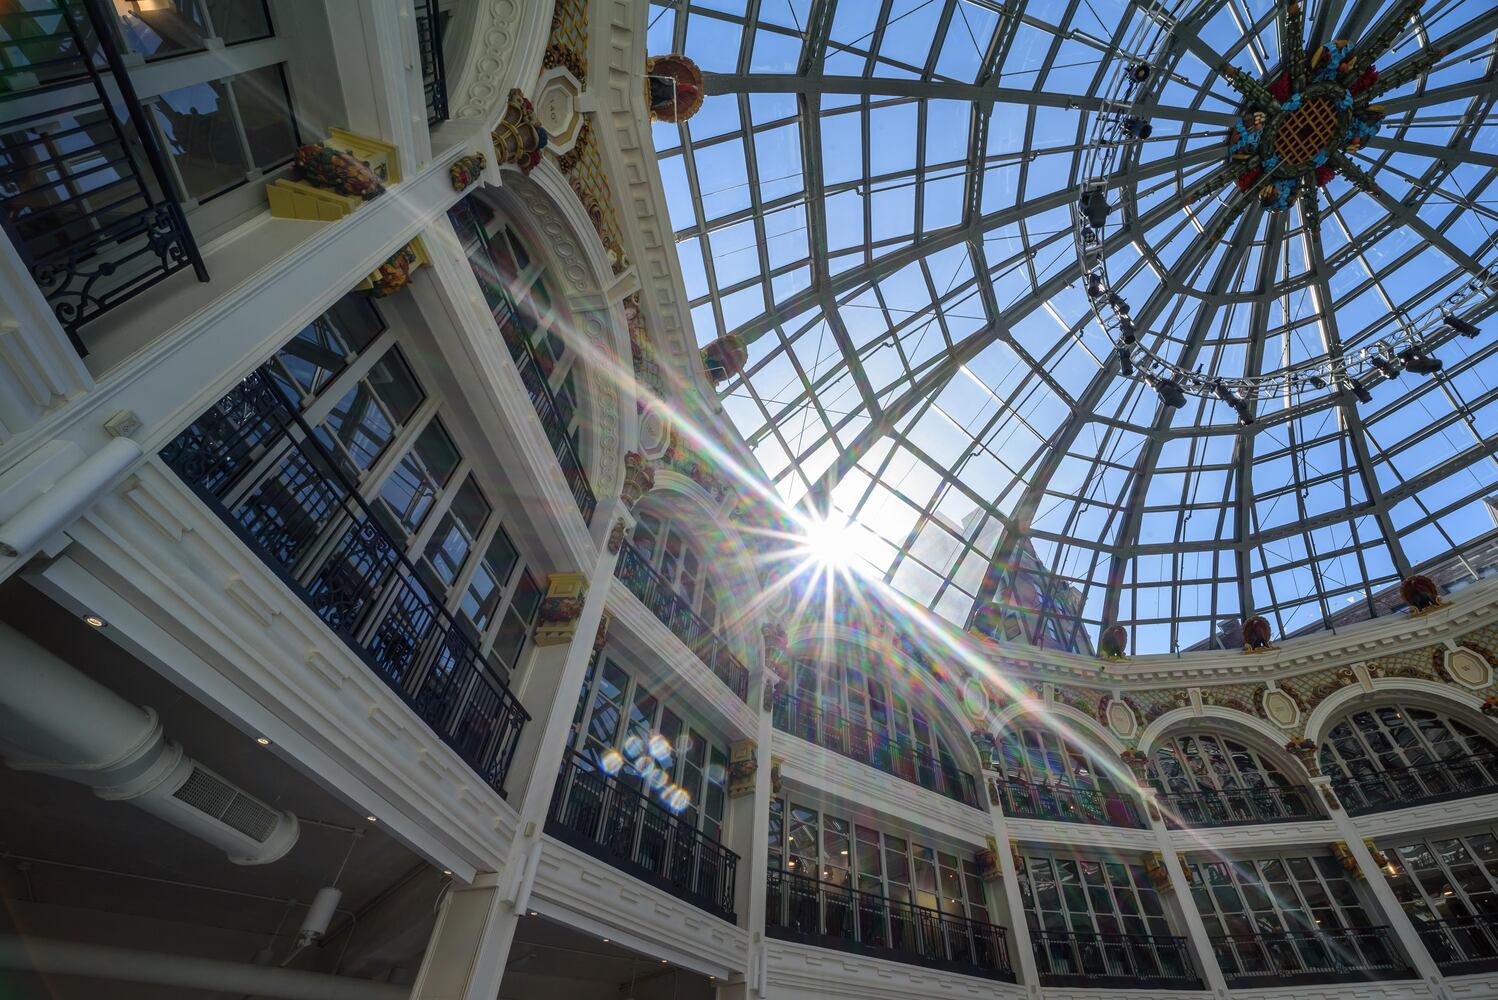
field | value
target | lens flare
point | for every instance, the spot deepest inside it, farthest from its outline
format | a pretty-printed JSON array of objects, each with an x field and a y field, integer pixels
[
  {"x": 611, "y": 762},
  {"x": 660, "y": 749}
]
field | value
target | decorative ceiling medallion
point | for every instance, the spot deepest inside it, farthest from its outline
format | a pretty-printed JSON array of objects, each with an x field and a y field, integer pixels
[{"x": 1297, "y": 127}]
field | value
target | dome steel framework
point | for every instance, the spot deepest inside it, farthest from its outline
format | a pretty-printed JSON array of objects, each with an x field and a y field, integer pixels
[{"x": 877, "y": 201}]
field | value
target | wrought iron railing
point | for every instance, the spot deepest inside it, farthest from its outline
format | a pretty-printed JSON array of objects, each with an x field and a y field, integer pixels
[
  {"x": 1237, "y": 806},
  {"x": 1066, "y": 804},
  {"x": 616, "y": 820},
  {"x": 1453, "y": 778},
  {"x": 85, "y": 194},
  {"x": 1319, "y": 955},
  {"x": 1462, "y": 944},
  {"x": 516, "y": 330},
  {"x": 657, "y": 594},
  {"x": 254, "y": 461},
  {"x": 433, "y": 69},
  {"x": 1124, "y": 961},
  {"x": 804, "y": 909},
  {"x": 937, "y": 772}
]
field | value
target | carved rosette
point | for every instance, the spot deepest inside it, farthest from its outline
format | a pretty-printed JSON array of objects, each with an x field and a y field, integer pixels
[
  {"x": 466, "y": 169},
  {"x": 673, "y": 88},
  {"x": 1305, "y": 752},
  {"x": 1138, "y": 763},
  {"x": 725, "y": 357},
  {"x": 556, "y": 618},
  {"x": 519, "y": 138},
  {"x": 639, "y": 479}
]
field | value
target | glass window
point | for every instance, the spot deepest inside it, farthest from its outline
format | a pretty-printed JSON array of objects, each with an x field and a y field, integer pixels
[
  {"x": 363, "y": 422},
  {"x": 160, "y": 28},
  {"x": 218, "y": 131},
  {"x": 448, "y": 548},
  {"x": 486, "y": 586},
  {"x": 518, "y": 621},
  {"x": 324, "y": 347},
  {"x": 420, "y": 475}
]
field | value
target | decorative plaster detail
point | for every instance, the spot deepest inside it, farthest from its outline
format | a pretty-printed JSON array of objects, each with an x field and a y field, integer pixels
[
  {"x": 1467, "y": 668},
  {"x": 496, "y": 29},
  {"x": 1281, "y": 709}
]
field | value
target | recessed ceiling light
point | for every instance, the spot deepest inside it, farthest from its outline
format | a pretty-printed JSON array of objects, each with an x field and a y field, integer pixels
[
  {"x": 371, "y": 819},
  {"x": 94, "y": 621},
  {"x": 447, "y": 871},
  {"x": 605, "y": 940},
  {"x": 262, "y": 741},
  {"x": 663, "y": 961},
  {"x": 533, "y": 913}
]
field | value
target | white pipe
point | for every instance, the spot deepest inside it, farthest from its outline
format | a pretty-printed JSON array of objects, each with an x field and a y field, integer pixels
[
  {"x": 47, "y": 514},
  {"x": 57, "y": 721},
  {"x": 72, "y": 958}
]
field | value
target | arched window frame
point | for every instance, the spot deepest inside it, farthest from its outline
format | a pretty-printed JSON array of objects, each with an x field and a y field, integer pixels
[
  {"x": 1235, "y": 764},
  {"x": 672, "y": 550},
  {"x": 1039, "y": 756},
  {"x": 1352, "y": 749}
]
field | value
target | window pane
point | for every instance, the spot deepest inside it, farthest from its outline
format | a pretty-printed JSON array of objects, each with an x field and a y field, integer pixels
[
  {"x": 420, "y": 476},
  {"x": 266, "y": 113}
]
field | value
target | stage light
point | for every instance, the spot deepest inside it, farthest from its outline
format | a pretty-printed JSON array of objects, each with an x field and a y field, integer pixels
[
  {"x": 1126, "y": 330},
  {"x": 1138, "y": 72},
  {"x": 1460, "y": 325},
  {"x": 1096, "y": 289},
  {"x": 1225, "y": 394},
  {"x": 1135, "y": 127},
  {"x": 1125, "y": 363},
  {"x": 1118, "y": 303},
  {"x": 1359, "y": 390},
  {"x": 1170, "y": 393},
  {"x": 1385, "y": 366},
  {"x": 1095, "y": 207},
  {"x": 1420, "y": 363},
  {"x": 1315, "y": 381}
]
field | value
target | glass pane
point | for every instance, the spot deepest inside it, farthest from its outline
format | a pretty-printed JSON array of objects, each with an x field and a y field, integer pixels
[{"x": 265, "y": 111}]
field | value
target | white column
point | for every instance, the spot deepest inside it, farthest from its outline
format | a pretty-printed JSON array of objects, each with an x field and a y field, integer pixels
[
  {"x": 465, "y": 958},
  {"x": 1021, "y": 950},
  {"x": 1398, "y": 921},
  {"x": 1196, "y": 930},
  {"x": 750, "y": 834}
]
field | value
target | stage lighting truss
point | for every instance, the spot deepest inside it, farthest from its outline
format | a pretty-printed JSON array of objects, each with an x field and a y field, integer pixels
[{"x": 1110, "y": 141}]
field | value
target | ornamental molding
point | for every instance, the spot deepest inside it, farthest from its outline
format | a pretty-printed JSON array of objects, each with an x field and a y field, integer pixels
[{"x": 505, "y": 51}]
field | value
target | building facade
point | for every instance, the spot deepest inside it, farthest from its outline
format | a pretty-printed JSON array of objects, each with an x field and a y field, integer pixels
[{"x": 386, "y": 606}]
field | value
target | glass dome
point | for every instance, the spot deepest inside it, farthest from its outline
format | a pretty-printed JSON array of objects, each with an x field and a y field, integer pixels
[{"x": 881, "y": 200}]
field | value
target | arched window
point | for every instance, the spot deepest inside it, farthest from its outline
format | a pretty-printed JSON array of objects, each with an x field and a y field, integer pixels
[
  {"x": 1048, "y": 777},
  {"x": 1392, "y": 755},
  {"x": 1202, "y": 762},
  {"x": 676, "y": 555},
  {"x": 1211, "y": 780}
]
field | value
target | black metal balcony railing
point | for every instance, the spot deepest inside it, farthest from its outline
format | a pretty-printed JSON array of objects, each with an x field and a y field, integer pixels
[
  {"x": 1123, "y": 961},
  {"x": 900, "y": 757},
  {"x": 1462, "y": 945},
  {"x": 433, "y": 69},
  {"x": 657, "y": 594},
  {"x": 804, "y": 909},
  {"x": 254, "y": 461},
  {"x": 516, "y": 331},
  {"x": 1065, "y": 804},
  {"x": 1330, "y": 955},
  {"x": 1454, "y": 778},
  {"x": 1237, "y": 806},
  {"x": 612, "y": 819},
  {"x": 85, "y": 195}
]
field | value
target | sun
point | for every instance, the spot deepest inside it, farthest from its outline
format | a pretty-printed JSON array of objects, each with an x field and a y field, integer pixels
[{"x": 829, "y": 544}]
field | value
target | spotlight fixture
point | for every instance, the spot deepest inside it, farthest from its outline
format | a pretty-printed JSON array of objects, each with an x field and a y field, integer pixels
[
  {"x": 1125, "y": 363},
  {"x": 1359, "y": 390},
  {"x": 1460, "y": 325},
  {"x": 94, "y": 621},
  {"x": 1170, "y": 393},
  {"x": 1386, "y": 366},
  {"x": 1138, "y": 72},
  {"x": 1315, "y": 381},
  {"x": 1096, "y": 289},
  {"x": 262, "y": 741},
  {"x": 1245, "y": 416},
  {"x": 1126, "y": 330},
  {"x": 1095, "y": 207},
  {"x": 1117, "y": 302},
  {"x": 1415, "y": 360},
  {"x": 1135, "y": 127}
]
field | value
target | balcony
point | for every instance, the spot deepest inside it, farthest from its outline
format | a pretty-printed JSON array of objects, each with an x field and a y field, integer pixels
[
  {"x": 516, "y": 331},
  {"x": 1309, "y": 956},
  {"x": 656, "y": 593},
  {"x": 613, "y": 820},
  {"x": 1114, "y": 961},
  {"x": 1237, "y": 807},
  {"x": 85, "y": 195},
  {"x": 1061, "y": 803},
  {"x": 805, "y": 910},
  {"x": 433, "y": 70},
  {"x": 1437, "y": 781},
  {"x": 254, "y": 462},
  {"x": 900, "y": 757},
  {"x": 1462, "y": 945}
]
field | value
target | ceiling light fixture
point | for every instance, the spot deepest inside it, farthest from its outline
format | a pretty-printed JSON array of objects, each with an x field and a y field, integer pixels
[
  {"x": 1459, "y": 325},
  {"x": 1125, "y": 363},
  {"x": 1385, "y": 366},
  {"x": 94, "y": 621},
  {"x": 1359, "y": 390},
  {"x": 1420, "y": 363},
  {"x": 1170, "y": 393},
  {"x": 262, "y": 741}
]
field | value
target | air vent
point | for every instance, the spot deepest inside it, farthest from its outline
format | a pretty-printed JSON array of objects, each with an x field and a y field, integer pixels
[{"x": 208, "y": 793}]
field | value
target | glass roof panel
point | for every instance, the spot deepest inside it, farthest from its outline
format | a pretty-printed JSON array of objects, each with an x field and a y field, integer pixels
[{"x": 881, "y": 199}]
